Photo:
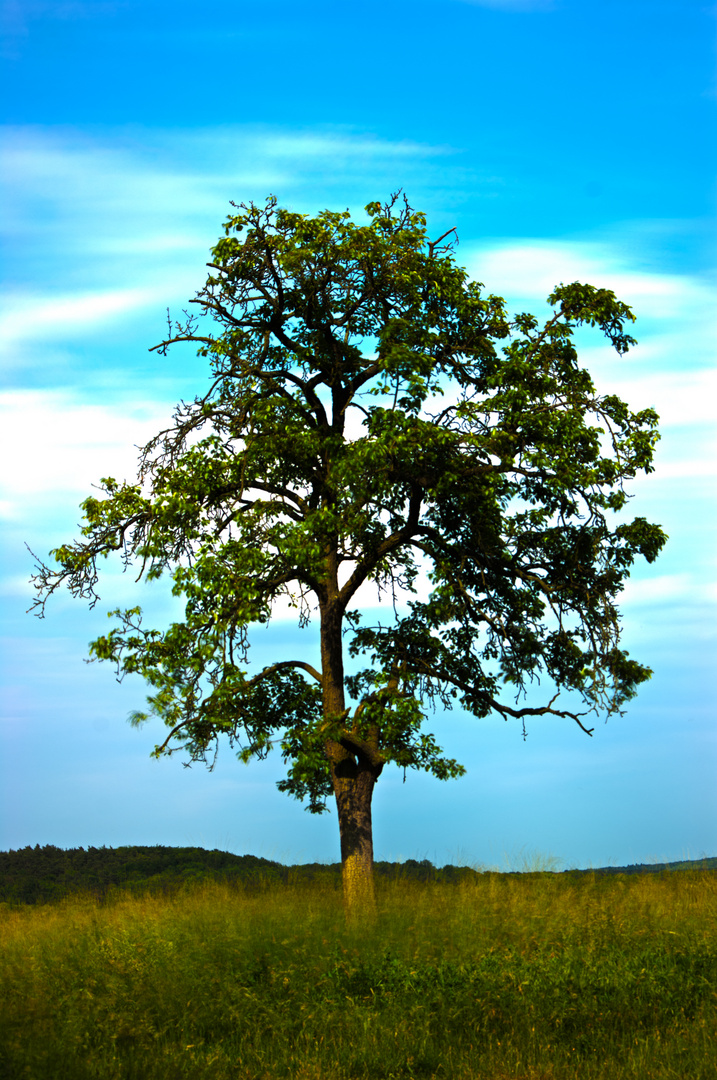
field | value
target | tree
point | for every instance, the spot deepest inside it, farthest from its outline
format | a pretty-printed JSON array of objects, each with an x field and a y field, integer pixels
[{"x": 371, "y": 415}]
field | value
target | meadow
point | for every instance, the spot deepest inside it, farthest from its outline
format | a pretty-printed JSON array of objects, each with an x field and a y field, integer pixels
[{"x": 533, "y": 976}]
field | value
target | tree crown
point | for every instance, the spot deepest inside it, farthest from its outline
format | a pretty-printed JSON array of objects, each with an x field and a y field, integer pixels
[{"x": 371, "y": 413}]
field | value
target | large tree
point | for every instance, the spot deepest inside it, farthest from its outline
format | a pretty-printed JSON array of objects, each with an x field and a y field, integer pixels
[{"x": 371, "y": 417}]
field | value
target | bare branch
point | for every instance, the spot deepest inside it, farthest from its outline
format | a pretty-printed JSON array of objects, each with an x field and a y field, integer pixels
[
  {"x": 546, "y": 710},
  {"x": 433, "y": 244}
]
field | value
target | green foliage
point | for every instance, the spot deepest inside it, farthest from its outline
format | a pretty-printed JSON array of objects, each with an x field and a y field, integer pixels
[
  {"x": 42, "y": 875},
  {"x": 372, "y": 412},
  {"x": 523, "y": 976},
  {"x": 47, "y": 874}
]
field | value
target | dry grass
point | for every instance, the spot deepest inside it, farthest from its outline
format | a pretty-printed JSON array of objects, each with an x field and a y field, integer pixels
[{"x": 537, "y": 976}]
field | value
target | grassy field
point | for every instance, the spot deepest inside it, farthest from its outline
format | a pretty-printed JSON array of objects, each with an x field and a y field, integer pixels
[{"x": 532, "y": 975}]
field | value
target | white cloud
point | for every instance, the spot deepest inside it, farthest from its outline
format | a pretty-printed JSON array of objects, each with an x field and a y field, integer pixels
[
  {"x": 338, "y": 147},
  {"x": 688, "y": 468},
  {"x": 680, "y": 397},
  {"x": 123, "y": 223},
  {"x": 672, "y": 369},
  {"x": 61, "y": 445},
  {"x": 144, "y": 185},
  {"x": 126, "y": 222},
  {"x": 28, "y": 317},
  {"x": 530, "y": 269}
]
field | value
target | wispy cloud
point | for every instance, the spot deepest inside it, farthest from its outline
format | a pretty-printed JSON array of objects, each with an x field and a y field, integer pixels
[
  {"x": 531, "y": 268},
  {"x": 62, "y": 444},
  {"x": 103, "y": 231},
  {"x": 28, "y": 318},
  {"x": 93, "y": 222},
  {"x": 681, "y": 398},
  {"x": 101, "y": 226},
  {"x": 153, "y": 180},
  {"x": 672, "y": 369}
]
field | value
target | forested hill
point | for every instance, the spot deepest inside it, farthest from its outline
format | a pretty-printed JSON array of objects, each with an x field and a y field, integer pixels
[
  {"x": 39, "y": 874},
  {"x": 42, "y": 874}
]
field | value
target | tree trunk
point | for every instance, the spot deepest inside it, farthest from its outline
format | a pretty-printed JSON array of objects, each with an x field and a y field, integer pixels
[
  {"x": 353, "y": 786},
  {"x": 353, "y": 776}
]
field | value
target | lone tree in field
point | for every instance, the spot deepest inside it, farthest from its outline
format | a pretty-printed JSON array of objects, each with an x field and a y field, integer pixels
[{"x": 371, "y": 413}]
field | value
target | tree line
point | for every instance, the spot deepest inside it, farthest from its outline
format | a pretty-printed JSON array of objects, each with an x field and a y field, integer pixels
[{"x": 40, "y": 875}]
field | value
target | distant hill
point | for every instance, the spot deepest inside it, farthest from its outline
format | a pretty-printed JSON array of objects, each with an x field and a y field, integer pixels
[
  {"x": 41, "y": 874},
  {"x": 37, "y": 874},
  {"x": 652, "y": 868}
]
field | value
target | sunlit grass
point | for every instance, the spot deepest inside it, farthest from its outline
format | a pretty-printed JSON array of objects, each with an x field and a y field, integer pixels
[{"x": 534, "y": 975}]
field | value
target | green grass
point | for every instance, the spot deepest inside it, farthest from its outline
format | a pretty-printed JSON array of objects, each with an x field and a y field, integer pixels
[{"x": 535, "y": 975}]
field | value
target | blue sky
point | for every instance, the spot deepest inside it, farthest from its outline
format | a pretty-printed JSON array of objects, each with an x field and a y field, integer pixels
[{"x": 566, "y": 140}]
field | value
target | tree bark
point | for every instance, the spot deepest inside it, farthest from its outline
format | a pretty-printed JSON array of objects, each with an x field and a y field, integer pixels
[
  {"x": 353, "y": 786},
  {"x": 353, "y": 777}
]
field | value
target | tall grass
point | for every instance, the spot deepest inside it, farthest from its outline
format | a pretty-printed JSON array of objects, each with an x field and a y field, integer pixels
[{"x": 535, "y": 975}]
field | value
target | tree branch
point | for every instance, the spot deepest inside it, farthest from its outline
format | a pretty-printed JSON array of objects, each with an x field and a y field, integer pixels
[
  {"x": 279, "y": 666},
  {"x": 356, "y": 745},
  {"x": 545, "y": 710},
  {"x": 391, "y": 543}
]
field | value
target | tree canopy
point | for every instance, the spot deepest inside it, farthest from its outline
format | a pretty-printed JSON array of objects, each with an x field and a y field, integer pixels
[{"x": 373, "y": 417}]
